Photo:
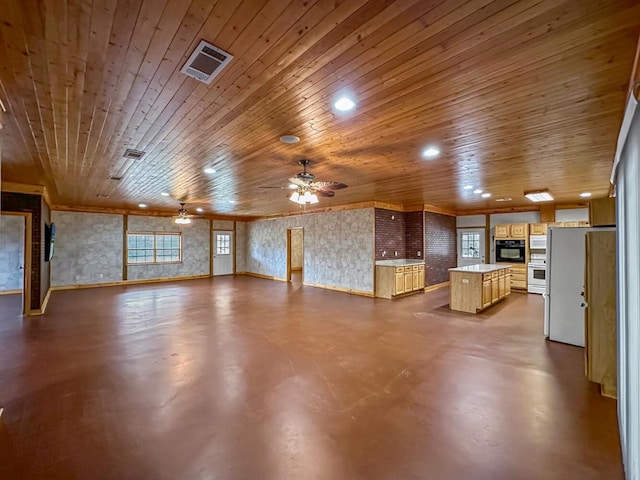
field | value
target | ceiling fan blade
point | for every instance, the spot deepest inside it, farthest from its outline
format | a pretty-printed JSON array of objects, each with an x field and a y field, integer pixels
[
  {"x": 324, "y": 193},
  {"x": 328, "y": 185},
  {"x": 299, "y": 182}
]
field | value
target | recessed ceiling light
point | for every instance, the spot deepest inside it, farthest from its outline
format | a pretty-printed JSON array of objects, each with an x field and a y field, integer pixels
[
  {"x": 585, "y": 194},
  {"x": 540, "y": 196},
  {"x": 209, "y": 170},
  {"x": 293, "y": 186},
  {"x": 485, "y": 195},
  {"x": 344, "y": 104},
  {"x": 477, "y": 190},
  {"x": 199, "y": 210},
  {"x": 232, "y": 201},
  {"x": 504, "y": 199},
  {"x": 289, "y": 139},
  {"x": 142, "y": 205},
  {"x": 468, "y": 187},
  {"x": 431, "y": 152},
  {"x": 164, "y": 194}
]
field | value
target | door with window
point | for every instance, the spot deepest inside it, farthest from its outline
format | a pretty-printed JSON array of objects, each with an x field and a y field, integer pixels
[
  {"x": 470, "y": 246},
  {"x": 222, "y": 253}
]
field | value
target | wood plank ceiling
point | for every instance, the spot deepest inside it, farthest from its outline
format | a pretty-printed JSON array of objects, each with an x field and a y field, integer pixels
[{"x": 518, "y": 96}]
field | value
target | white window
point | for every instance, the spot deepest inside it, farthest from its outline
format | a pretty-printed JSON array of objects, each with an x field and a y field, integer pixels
[
  {"x": 223, "y": 244},
  {"x": 154, "y": 247},
  {"x": 470, "y": 245}
]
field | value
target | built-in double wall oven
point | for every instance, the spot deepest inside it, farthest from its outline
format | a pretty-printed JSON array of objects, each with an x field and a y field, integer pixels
[{"x": 511, "y": 251}]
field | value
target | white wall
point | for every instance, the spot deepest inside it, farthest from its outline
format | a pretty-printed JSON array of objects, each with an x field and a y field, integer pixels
[
  {"x": 338, "y": 248},
  {"x": 196, "y": 256},
  {"x": 572, "y": 215},
  {"x": 628, "y": 220},
  {"x": 515, "y": 217},
  {"x": 11, "y": 252},
  {"x": 471, "y": 221},
  {"x": 88, "y": 248}
]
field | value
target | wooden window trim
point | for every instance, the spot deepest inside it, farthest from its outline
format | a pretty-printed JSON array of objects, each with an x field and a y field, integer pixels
[{"x": 155, "y": 249}]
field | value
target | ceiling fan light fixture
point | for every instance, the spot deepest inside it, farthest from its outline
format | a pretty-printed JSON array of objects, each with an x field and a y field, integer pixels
[
  {"x": 314, "y": 199},
  {"x": 182, "y": 221},
  {"x": 539, "y": 196},
  {"x": 295, "y": 197}
]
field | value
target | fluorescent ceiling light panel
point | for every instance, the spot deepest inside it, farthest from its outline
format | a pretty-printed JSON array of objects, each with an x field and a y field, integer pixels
[{"x": 542, "y": 196}]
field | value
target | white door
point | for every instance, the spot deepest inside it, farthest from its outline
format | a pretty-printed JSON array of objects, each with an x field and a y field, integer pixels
[
  {"x": 222, "y": 253},
  {"x": 565, "y": 277},
  {"x": 470, "y": 246}
]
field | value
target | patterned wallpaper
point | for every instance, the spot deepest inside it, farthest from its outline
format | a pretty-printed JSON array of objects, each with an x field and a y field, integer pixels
[
  {"x": 338, "y": 247},
  {"x": 87, "y": 248},
  {"x": 296, "y": 248},
  {"x": 195, "y": 248},
  {"x": 11, "y": 252},
  {"x": 241, "y": 247},
  {"x": 222, "y": 225},
  {"x": 440, "y": 252}
]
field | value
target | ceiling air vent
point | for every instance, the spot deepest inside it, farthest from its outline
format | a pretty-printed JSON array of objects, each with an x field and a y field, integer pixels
[
  {"x": 134, "y": 154},
  {"x": 206, "y": 62},
  {"x": 115, "y": 178}
]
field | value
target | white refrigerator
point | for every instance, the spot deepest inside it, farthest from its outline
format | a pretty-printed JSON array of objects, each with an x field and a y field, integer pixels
[{"x": 564, "y": 293}]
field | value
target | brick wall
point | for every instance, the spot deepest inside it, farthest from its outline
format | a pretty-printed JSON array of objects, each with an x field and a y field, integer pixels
[
  {"x": 414, "y": 234},
  {"x": 22, "y": 202},
  {"x": 390, "y": 234},
  {"x": 440, "y": 247}
]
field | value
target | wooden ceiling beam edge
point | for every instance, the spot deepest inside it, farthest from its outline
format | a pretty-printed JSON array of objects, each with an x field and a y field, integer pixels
[{"x": 147, "y": 213}]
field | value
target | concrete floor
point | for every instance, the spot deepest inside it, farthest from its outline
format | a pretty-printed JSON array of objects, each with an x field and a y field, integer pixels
[{"x": 244, "y": 378}]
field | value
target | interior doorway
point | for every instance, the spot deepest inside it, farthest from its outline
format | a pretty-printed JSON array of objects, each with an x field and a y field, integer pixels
[
  {"x": 222, "y": 252},
  {"x": 295, "y": 255},
  {"x": 15, "y": 262},
  {"x": 471, "y": 248}
]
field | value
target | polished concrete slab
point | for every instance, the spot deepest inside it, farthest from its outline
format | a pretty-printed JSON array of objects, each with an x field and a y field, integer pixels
[{"x": 244, "y": 378}]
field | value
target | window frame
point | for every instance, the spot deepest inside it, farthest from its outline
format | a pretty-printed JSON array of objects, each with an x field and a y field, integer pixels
[
  {"x": 155, "y": 248},
  {"x": 227, "y": 244},
  {"x": 474, "y": 242}
]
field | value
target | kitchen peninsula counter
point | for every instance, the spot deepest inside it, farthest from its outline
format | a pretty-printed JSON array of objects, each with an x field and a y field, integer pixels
[
  {"x": 399, "y": 277},
  {"x": 476, "y": 287}
]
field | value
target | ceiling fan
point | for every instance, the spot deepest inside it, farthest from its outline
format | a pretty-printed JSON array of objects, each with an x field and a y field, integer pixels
[
  {"x": 307, "y": 189},
  {"x": 183, "y": 217}
]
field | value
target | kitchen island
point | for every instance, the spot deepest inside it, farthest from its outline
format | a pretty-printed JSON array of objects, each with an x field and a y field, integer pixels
[
  {"x": 476, "y": 287},
  {"x": 399, "y": 277}
]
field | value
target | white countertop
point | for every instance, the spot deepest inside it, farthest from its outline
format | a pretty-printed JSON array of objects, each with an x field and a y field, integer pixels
[
  {"x": 398, "y": 262},
  {"x": 481, "y": 268}
]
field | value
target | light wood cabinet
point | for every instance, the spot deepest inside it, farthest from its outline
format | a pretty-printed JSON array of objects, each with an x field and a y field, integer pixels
[
  {"x": 602, "y": 212},
  {"x": 512, "y": 230},
  {"x": 502, "y": 231},
  {"x": 486, "y": 293},
  {"x": 392, "y": 281},
  {"x": 600, "y": 311},
  {"x": 507, "y": 282},
  {"x": 399, "y": 282},
  {"x": 408, "y": 281},
  {"x": 472, "y": 291},
  {"x": 538, "y": 229}
]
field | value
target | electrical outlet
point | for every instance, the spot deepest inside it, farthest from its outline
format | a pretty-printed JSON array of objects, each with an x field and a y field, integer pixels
[
  {"x": 384, "y": 253},
  {"x": 395, "y": 253},
  {"x": 419, "y": 253},
  {"x": 101, "y": 275}
]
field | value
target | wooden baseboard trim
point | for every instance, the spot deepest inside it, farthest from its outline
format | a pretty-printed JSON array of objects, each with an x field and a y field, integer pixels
[
  {"x": 10, "y": 292},
  {"x": 127, "y": 282},
  {"x": 266, "y": 277},
  {"x": 353, "y": 291},
  {"x": 43, "y": 307},
  {"x": 431, "y": 288}
]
